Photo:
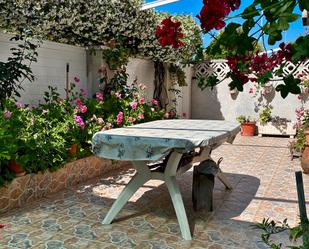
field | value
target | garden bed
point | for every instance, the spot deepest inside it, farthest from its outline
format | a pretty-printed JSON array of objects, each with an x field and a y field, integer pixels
[{"x": 30, "y": 187}]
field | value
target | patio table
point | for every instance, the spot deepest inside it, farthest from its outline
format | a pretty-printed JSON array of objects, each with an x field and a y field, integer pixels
[{"x": 153, "y": 141}]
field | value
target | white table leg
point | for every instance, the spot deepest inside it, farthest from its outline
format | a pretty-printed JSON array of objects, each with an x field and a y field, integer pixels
[
  {"x": 179, "y": 207},
  {"x": 139, "y": 179},
  {"x": 170, "y": 180}
]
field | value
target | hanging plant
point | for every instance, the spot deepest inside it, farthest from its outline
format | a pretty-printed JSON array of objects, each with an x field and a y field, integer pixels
[
  {"x": 177, "y": 75},
  {"x": 116, "y": 57}
]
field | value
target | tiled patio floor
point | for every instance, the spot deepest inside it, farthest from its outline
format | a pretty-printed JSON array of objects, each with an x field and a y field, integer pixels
[{"x": 260, "y": 170}]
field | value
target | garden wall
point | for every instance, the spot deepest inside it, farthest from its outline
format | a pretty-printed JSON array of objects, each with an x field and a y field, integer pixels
[
  {"x": 50, "y": 68},
  {"x": 219, "y": 103},
  {"x": 30, "y": 187}
]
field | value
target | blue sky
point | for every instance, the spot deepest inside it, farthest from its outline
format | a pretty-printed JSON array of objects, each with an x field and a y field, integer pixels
[{"x": 193, "y": 7}]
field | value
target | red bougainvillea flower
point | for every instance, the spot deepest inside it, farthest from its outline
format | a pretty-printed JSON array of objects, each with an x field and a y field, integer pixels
[
  {"x": 169, "y": 33},
  {"x": 285, "y": 52},
  {"x": 214, "y": 11}
]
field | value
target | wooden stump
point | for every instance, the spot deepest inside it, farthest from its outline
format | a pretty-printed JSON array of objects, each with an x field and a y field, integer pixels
[{"x": 203, "y": 184}]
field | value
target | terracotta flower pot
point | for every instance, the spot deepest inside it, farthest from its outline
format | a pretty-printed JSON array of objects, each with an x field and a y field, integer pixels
[
  {"x": 15, "y": 167},
  {"x": 305, "y": 154},
  {"x": 247, "y": 129},
  {"x": 73, "y": 149}
]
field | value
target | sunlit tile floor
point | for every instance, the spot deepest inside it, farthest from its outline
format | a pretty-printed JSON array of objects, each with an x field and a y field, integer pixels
[{"x": 260, "y": 170}]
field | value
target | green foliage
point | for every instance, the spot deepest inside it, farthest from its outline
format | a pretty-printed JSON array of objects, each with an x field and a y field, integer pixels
[
  {"x": 220, "y": 48},
  {"x": 291, "y": 85},
  {"x": 39, "y": 139},
  {"x": 17, "y": 67},
  {"x": 96, "y": 23},
  {"x": 245, "y": 119},
  {"x": 265, "y": 115},
  {"x": 270, "y": 227},
  {"x": 240, "y": 42},
  {"x": 300, "y": 49},
  {"x": 210, "y": 81},
  {"x": 177, "y": 71},
  {"x": 116, "y": 57}
]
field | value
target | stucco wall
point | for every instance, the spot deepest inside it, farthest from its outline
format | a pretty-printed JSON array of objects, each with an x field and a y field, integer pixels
[
  {"x": 50, "y": 69},
  {"x": 220, "y": 104}
]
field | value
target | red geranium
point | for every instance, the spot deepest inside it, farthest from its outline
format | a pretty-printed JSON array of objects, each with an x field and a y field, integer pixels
[
  {"x": 169, "y": 33},
  {"x": 214, "y": 11}
]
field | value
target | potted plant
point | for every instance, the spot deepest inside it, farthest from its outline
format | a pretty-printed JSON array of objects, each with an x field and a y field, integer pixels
[
  {"x": 12, "y": 120},
  {"x": 269, "y": 125},
  {"x": 247, "y": 125}
]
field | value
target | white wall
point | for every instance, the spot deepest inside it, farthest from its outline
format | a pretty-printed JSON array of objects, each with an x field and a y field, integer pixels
[
  {"x": 50, "y": 68},
  {"x": 220, "y": 104}
]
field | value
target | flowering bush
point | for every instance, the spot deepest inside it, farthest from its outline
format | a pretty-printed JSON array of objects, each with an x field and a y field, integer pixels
[
  {"x": 240, "y": 42},
  {"x": 39, "y": 138},
  {"x": 123, "y": 21}
]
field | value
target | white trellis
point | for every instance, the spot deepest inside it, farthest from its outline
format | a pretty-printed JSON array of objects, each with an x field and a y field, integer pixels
[{"x": 220, "y": 68}]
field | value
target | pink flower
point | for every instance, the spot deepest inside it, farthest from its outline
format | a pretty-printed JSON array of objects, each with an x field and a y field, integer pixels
[
  {"x": 131, "y": 119},
  {"x": 83, "y": 108},
  {"x": 184, "y": 115},
  {"x": 154, "y": 102},
  {"x": 166, "y": 115},
  {"x": 83, "y": 92},
  {"x": 99, "y": 96},
  {"x": 20, "y": 105},
  {"x": 142, "y": 86},
  {"x": 79, "y": 120},
  {"x": 172, "y": 114},
  {"x": 7, "y": 114},
  {"x": 118, "y": 95},
  {"x": 100, "y": 120},
  {"x": 79, "y": 103},
  {"x": 142, "y": 101},
  {"x": 141, "y": 116},
  {"x": 133, "y": 104},
  {"x": 119, "y": 118},
  {"x": 76, "y": 79},
  {"x": 251, "y": 90}
]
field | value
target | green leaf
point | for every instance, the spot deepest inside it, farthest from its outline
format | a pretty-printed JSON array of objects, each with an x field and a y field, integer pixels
[
  {"x": 285, "y": 19},
  {"x": 300, "y": 49},
  {"x": 303, "y": 4},
  {"x": 250, "y": 12},
  {"x": 265, "y": 77}
]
